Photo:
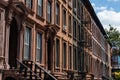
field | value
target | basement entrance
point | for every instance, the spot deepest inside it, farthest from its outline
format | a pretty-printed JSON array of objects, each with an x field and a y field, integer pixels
[{"x": 13, "y": 40}]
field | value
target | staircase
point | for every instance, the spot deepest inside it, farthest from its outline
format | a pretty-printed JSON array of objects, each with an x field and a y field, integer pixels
[{"x": 29, "y": 70}]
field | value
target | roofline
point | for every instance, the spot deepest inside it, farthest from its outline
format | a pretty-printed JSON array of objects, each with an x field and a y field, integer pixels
[{"x": 90, "y": 9}]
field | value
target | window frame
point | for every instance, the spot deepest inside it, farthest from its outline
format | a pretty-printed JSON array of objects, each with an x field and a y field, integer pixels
[
  {"x": 79, "y": 9},
  {"x": 57, "y": 55},
  {"x": 38, "y": 5},
  {"x": 64, "y": 55},
  {"x": 41, "y": 54},
  {"x": 57, "y": 21},
  {"x": 64, "y": 19},
  {"x": 79, "y": 31},
  {"x": 75, "y": 58},
  {"x": 30, "y": 39},
  {"x": 29, "y": 4},
  {"x": 49, "y": 14},
  {"x": 74, "y": 29},
  {"x": 75, "y": 6},
  {"x": 69, "y": 24},
  {"x": 70, "y": 55}
]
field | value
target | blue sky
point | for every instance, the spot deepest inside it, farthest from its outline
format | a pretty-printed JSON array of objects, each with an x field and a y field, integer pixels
[{"x": 108, "y": 11}]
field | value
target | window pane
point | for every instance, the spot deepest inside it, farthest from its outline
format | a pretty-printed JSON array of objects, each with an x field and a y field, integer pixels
[
  {"x": 39, "y": 48},
  {"x": 40, "y": 3},
  {"x": 69, "y": 24},
  {"x": 57, "y": 53},
  {"x": 74, "y": 29},
  {"x": 70, "y": 57},
  {"x": 75, "y": 58},
  {"x": 64, "y": 55},
  {"x": 64, "y": 17},
  {"x": 29, "y": 3},
  {"x": 57, "y": 13},
  {"x": 49, "y": 11},
  {"x": 79, "y": 32},
  {"x": 27, "y": 43}
]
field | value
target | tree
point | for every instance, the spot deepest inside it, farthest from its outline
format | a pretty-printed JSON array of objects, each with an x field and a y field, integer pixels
[{"x": 113, "y": 36}]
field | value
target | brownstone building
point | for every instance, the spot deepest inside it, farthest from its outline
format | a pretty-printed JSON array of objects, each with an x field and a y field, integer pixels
[{"x": 52, "y": 40}]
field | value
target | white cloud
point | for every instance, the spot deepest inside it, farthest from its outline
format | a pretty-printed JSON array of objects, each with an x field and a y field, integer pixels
[
  {"x": 109, "y": 17},
  {"x": 100, "y": 8}
]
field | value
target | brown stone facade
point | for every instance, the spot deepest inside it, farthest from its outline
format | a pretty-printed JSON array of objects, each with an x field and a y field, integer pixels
[{"x": 63, "y": 38}]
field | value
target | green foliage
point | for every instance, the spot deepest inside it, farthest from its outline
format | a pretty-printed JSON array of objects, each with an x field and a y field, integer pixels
[
  {"x": 117, "y": 75},
  {"x": 113, "y": 36}
]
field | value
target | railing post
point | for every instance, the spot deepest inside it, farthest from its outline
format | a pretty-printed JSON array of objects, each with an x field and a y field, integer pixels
[{"x": 35, "y": 70}]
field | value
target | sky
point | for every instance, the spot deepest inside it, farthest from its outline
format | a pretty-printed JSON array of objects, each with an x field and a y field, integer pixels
[{"x": 108, "y": 12}]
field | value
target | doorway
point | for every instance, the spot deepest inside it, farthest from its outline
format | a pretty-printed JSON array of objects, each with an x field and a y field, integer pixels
[
  {"x": 13, "y": 41},
  {"x": 49, "y": 54}
]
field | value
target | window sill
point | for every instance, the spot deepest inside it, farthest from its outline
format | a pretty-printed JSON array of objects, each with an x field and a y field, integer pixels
[{"x": 40, "y": 17}]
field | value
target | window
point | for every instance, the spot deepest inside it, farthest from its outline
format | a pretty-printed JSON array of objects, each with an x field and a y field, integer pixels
[
  {"x": 27, "y": 40},
  {"x": 74, "y": 6},
  {"x": 64, "y": 55},
  {"x": 39, "y": 48},
  {"x": 57, "y": 13},
  {"x": 74, "y": 58},
  {"x": 40, "y": 7},
  {"x": 79, "y": 31},
  {"x": 87, "y": 62},
  {"x": 29, "y": 3},
  {"x": 69, "y": 24},
  {"x": 49, "y": 11},
  {"x": 57, "y": 56},
  {"x": 70, "y": 58},
  {"x": 70, "y": 3},
  {"x": 78, "y": 9},
  {"x": 64, "y": 19},
  {"x": 74, "y": 29}
]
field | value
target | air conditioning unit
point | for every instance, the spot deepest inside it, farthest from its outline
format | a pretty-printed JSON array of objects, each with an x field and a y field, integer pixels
[
  {"x": 64, "y": 27},
  {"x": 75, "y": 10},
  {"x": 70, "y": 3}
]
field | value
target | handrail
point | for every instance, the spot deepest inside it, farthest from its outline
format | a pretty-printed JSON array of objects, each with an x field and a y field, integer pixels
[
  {"x": 28, "y": 68},
  {"x": 44, "y": 70}
]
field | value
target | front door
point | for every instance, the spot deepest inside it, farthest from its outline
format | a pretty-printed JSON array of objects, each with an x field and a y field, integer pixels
[
  {"x": 49, "y": 54},
  {"x": 13, "y": 41}
]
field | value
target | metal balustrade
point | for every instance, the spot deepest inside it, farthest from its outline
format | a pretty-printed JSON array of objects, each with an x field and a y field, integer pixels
[
  {"x": 30, "y": 70},
  {"x": 25, "y": 71},
  {"x": 47, "y": 75}
]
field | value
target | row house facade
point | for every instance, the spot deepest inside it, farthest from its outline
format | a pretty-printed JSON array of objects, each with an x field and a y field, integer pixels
[
  {"x": 97, "y": 47},
  {"x": 52, "y": 40},
  {"x": 97, "y": 50}
]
